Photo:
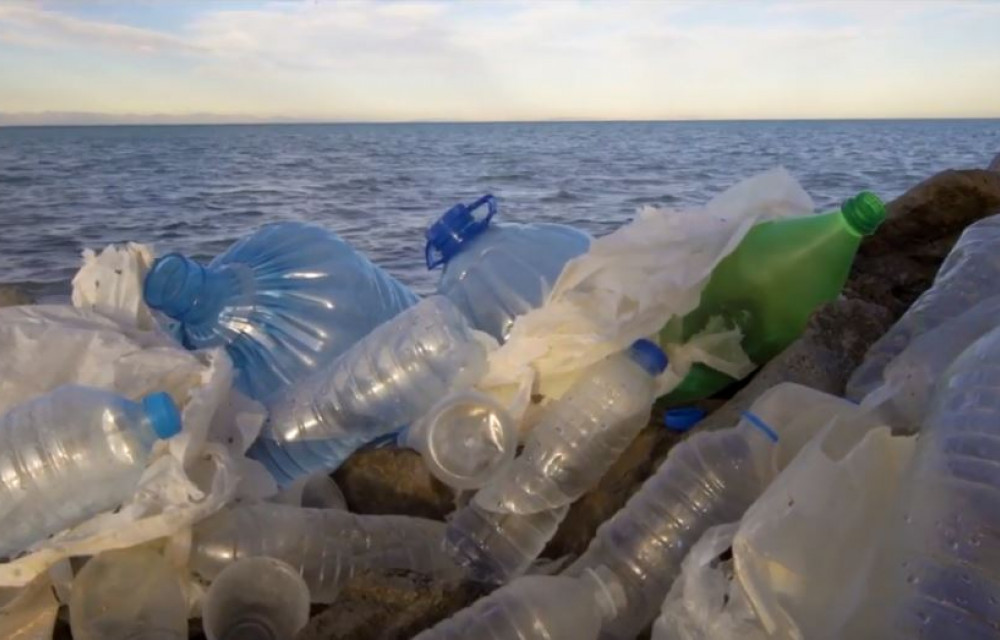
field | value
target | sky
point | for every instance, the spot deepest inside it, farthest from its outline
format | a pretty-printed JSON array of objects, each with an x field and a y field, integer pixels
[{"x": 483, "y": 60}]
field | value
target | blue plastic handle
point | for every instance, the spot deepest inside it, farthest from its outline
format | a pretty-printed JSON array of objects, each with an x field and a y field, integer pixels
[{"x": 471, "y": 230}]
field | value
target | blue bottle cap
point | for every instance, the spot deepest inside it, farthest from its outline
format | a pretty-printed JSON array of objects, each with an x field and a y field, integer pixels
[
  {"x": 683, "y": 418},
  {"x": 162, "y": 414},
  {"x": 455, "y": 228},
  {"x": 173, "y": 285},
  {"x": 649, "y": 356}
]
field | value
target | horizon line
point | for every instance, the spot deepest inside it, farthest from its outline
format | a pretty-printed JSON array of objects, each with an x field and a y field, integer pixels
[{"x": 293, "y": 122}]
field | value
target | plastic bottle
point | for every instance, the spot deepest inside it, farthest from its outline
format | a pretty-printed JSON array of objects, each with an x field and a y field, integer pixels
[
  {"x": 71, "y": 454},
  {"x": 465, "y": 439},
  {"x": 391, "y": 377},
  {"x": 128, "y": 594},
  {"x": 326, "y": 546},
  {"x": 781, "y": 272},
  {"x": 549, "y": 607},
  {"x": 937, "y": 575},
  {"x": 496, "y": 272},
  {"x": 256, "y": 599},
  {"x": 969, "y": 275},
  {"x": 708, "y": 479},
  {"x": 284, "y": 301},
  {"x": 578, "y": 437}
]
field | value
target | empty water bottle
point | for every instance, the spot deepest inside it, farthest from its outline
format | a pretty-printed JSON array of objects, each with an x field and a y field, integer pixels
[
  {"x": 576, "y": 440},
  {"x": 256, "y": 599},
  {"x": 128, "y": 594},
  {"x": 970, "y": 274},
  {"x": 938, "y": 572},
  {"x": 709, "y": 479},
  {"x": 496, "y": 272},
  {"x": 465, "y": 439},
  {"x": 391, "y": 377},
  {"x": 284, "y": 301},
  {"x": 71, "y": 454},
  {"x": 549, "y": 607},
  {"x": 326, "y": 546}
]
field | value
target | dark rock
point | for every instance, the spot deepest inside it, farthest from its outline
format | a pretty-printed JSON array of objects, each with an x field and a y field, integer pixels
[
  {"x": 995, "y": 165},
  {"x": 393, "y": 481},
  {"x": 12, "y": 296},
  {"x": 383, "y": 606},
  {"x": 899, "y": 262}
]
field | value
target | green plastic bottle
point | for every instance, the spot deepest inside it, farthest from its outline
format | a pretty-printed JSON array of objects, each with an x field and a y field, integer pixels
[{"x": 772, "y": 283}]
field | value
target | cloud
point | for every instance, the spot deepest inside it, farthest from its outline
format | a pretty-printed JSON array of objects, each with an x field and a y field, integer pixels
[{"x": 28, "y": 24}]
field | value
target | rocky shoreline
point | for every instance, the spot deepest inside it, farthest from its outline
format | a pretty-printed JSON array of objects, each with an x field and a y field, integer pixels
[{"x": 891, "y": 270}]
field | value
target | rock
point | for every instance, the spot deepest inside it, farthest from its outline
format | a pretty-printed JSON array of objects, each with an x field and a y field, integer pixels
[
  {"x": 389, "y": 606},
  {"x": 995, "y": 165},
  {"x": 12, "y": 296},
  {"x": 393, "y": 481},
  {"x": 898, "y": 263}
]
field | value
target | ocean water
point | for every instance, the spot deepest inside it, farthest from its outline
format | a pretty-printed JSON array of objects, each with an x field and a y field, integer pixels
[{"x": 198, "y": 188}]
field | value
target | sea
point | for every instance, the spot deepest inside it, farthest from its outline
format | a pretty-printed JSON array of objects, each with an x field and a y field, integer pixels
[{"x": 197, "y": 189}]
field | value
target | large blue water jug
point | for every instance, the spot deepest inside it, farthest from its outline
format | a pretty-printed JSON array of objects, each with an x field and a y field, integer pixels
[
  {"x": 496, "y": 272},
  {"x": 285, "y": 301}
]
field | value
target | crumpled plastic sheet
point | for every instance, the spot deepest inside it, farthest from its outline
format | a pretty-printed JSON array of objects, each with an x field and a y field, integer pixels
[
  {"x": 104, "y": 345},
  {"x": 633, "y": 281},
  {"x": 803, "y": 552}
]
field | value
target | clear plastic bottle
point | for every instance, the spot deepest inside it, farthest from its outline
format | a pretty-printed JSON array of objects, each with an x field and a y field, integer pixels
[
  {"x": 970, "y": 274},
  {"x": 939, "y": 571},
  {"x": 256, "y": 599},
  {"x": 326, "y": 546},
  {"x": 128, "y": 594},
  {"x": 71, "y": 454},
  {"x": 709, "y": 479},
  {"x": 549, "y": 607},
  {"x": 391, "y": 377},
  {"x": 576, "y": 440},
  {"x": 496, "y": 272},
  {"x": 465, "y": 439},
  {"x": 284, "y": 301}
]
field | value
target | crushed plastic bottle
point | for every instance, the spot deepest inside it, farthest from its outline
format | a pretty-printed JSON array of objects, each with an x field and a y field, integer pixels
[
  {"x": 128, "y": 594},
  {"x": 549, "y": 607},
  {"x": 781, "y": 272},
  {"x": 707, "y": 480},
  {"x": 577, "y": 438},
  {"x": 284, "y": 302},
  {"x": 465, "y": 439},
  {"x": 256, "y": 599},
  {"x": 939, "y": 576},
  {"x": 969, "y": 275},
  {"x": 390, "y": 378},
  {"x": 496, "y": 272},
  {"x": 71, "y": 454},
  {"x": 326, "y": 546}
]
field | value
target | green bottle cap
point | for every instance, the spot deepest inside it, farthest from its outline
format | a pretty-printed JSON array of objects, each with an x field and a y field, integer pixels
[{"x": 864, "y": 212}]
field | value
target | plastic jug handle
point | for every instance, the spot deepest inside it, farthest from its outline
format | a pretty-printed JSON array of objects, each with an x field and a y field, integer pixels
[{"x": 491, "y": 210}]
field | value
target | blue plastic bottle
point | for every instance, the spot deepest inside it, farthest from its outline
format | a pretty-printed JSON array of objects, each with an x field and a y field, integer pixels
[
  {"x": 496, "y": 272},
  {"x": 284, "y": 301}
]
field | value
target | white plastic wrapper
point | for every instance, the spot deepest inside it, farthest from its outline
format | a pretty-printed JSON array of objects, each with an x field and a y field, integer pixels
[
  {"x": 105, "y": 345},
  {"x": 803, "y": 552},
  {"x": 633, "y": 281}
]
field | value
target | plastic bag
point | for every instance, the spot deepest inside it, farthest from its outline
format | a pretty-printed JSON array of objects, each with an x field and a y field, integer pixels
[
  {"x": 701, "y": 604},
  {"x": 634, "y": 280},
  {"x": 192, "y": 474},
  {"x": 29, "y": 613},
  {"x": 110, "y": 283}
]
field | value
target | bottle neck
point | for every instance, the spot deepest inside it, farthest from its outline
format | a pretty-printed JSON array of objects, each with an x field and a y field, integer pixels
[
  {"x": 863, "y": 213},
  {"x": 193, "y": 294}
]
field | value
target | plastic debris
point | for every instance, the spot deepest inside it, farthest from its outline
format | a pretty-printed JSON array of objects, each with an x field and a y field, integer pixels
[
  {"x": 128, "y": 594},
  {"x": 284, "y": 301},
  {"x": 495, "y": 272},
  {"x": 682, "y": 419},
  {"x": 256, "y": 599}
]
